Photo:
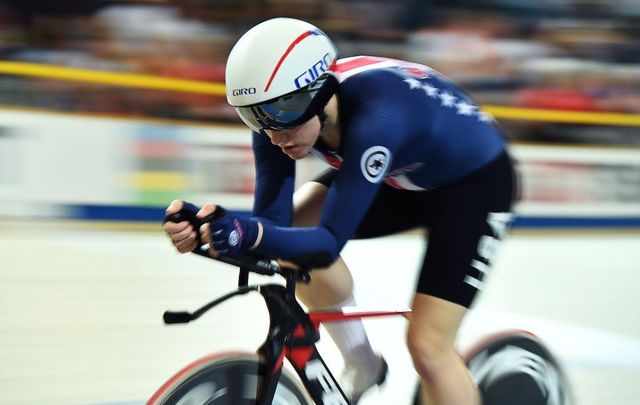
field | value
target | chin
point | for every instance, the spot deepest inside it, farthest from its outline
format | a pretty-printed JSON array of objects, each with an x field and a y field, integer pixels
[{"x": 298, "y": 154}]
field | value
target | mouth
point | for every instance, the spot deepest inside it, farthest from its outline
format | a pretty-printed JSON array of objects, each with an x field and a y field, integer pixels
[{"x": 290, "y": 148}]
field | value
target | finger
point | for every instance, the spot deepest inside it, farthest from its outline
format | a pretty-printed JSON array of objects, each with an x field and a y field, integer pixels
[
  {"x": 187, "y": 233},
  {"x": 206, "y": 210},
  {"x": 212, "y": 252},
  {"x": 186, "y": 245},
  {"x": 186, "y": 248},
  {"x": 175, "y": 227},
  {"x": 175, "y": 206},
  {"x": 205, "y": 233}
]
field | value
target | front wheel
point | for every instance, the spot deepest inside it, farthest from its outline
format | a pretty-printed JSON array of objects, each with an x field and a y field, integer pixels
[{"x": 230, "y": 379}]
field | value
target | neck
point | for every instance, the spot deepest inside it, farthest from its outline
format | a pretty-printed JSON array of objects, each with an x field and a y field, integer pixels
[{"x": 331, "y": 132}]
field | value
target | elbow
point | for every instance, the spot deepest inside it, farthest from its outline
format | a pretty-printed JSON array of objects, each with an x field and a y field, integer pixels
[
  {"x": 316, "y": 260},
  {"x": 323, "y": 256}
]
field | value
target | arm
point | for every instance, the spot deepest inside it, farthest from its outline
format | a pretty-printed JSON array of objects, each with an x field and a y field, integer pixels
[
  {"x": 275, "y": 178},
  {"x": 373, "y": 135}
]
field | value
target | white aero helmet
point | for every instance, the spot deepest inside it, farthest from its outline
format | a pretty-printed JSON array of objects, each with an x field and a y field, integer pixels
[{"x": 275, "y": 76}]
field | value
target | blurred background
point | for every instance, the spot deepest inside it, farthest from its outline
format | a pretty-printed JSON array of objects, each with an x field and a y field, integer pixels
[
  {"x": 143, "y": 82},
  {"x": 111, "y": 109}
]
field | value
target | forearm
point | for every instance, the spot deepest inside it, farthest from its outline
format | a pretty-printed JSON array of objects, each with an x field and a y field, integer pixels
[
  {"x": 313, "y": 247},
  {"x": 275, "y": 182}
]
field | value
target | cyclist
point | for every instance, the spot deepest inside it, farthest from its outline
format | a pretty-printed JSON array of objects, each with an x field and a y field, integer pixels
[{"x": 407, "y": 149}]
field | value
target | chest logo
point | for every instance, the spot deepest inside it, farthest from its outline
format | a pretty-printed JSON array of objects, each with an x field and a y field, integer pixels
[{"x": 374, "y": 163}]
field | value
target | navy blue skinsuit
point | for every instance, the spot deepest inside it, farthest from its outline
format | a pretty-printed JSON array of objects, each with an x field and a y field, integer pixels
[{"x": 403, "y": 125}]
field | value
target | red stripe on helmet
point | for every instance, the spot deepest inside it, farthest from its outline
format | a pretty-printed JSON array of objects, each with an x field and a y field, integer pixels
[{"x": 285, "y": 54}]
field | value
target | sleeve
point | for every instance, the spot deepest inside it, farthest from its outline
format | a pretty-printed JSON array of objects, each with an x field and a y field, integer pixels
[
  {"x": 373, "y": 135},
  {"x": 275, "y": 181}
]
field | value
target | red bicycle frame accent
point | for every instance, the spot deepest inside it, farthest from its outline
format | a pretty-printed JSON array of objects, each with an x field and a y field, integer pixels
[{"x": 308, "y": 362}]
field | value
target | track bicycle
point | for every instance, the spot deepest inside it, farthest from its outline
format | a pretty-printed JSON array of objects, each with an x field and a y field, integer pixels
[{"x": 511, "y": 368}]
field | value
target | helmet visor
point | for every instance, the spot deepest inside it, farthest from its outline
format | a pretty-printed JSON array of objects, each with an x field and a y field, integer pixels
[{"x": 284, "y": 112}]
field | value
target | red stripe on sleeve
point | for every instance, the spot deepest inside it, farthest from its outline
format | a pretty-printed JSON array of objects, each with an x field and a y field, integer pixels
[{"x": 357, "y": 62}]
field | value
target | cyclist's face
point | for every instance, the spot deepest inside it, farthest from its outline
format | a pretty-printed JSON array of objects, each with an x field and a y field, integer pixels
[{"x": 296, "y": 142}]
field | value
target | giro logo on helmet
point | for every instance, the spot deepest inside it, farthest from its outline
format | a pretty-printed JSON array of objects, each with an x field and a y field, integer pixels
[
  {"x": 245, "y": 91},
  {"x": 313, "y": 72}
]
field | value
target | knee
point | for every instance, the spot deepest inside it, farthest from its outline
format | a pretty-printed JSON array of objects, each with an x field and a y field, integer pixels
[
  {"x": 328, "y": 287},
  {"x": 432, "y": 352}
]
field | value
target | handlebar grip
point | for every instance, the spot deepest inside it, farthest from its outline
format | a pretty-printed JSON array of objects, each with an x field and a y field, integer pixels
[
  {"x": 250, "y": 263},
  {"x": 189, "y": 214},
  {"x": 170, "y": 317}
]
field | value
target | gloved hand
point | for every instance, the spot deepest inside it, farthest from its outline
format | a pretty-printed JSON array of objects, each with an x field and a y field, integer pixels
[
  {"x": 183, "y": 229},
  {"x": 227, "y": 234}
]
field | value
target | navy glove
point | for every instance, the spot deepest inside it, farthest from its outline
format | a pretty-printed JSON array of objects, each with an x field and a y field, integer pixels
[{"x": 232, "y": 235}]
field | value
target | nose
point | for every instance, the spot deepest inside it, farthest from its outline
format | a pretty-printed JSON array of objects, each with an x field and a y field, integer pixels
[{"x": 279, "y": 137}]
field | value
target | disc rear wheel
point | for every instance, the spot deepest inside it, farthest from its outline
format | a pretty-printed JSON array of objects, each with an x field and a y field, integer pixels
[{"x": 518, "y": 368}]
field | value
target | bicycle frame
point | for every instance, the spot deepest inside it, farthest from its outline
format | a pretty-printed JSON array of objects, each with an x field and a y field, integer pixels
[{"x": 292, "y": 334}]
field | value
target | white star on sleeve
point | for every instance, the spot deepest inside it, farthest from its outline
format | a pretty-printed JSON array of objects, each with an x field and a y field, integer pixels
[
  {"x": 413, "y": 83},
  {"x": 430, "y": 90},
  {"x": 465, "y": 108},
  {"x": 447, "y": 99}
]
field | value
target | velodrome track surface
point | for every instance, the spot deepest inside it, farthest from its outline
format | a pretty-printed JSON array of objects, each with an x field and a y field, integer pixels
[{"x": 80, "y": 311}]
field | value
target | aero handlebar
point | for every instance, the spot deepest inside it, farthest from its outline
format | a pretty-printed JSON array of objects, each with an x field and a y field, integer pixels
[{"x": 248, "y": 263}]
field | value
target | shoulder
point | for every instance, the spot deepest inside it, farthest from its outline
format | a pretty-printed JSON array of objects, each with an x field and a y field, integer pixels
[
  {"x": 367, "y": 77},
  {"x": 363, "y": 67},
  {"x": 355, "y": 70},
  {"x": 371, "y": 80},
  {"x": 372, "y": 87}
]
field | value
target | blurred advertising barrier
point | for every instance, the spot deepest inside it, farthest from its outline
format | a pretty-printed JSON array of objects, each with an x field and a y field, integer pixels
[
  {"x": 578, "y": 187},
  {"x": 151, "y": 82},
  {"x": 97, "y": 168},
  {"x": 70, "y": 166}
]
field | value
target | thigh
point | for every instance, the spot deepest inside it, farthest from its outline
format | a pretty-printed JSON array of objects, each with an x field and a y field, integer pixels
[
  {"x": 468, "y": 221},
  {"x": 434, "y": 322},
  {"x": 332, "y": 285},
  {"x": 307, "y": 204},
  {"x": 393, "y": 211}
]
